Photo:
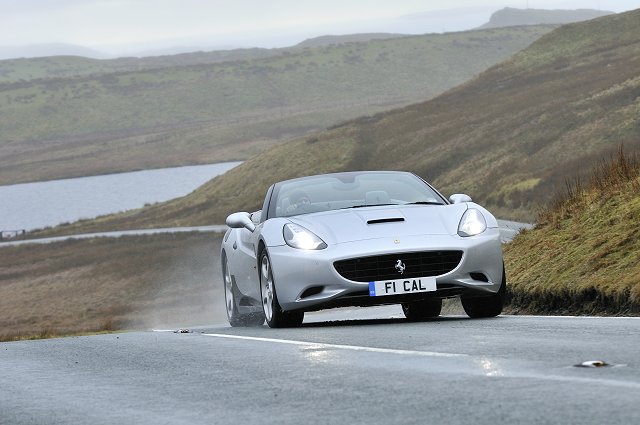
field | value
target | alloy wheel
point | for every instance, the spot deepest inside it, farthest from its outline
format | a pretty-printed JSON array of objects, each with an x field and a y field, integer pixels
[
  {"x": 266, "y": 288},
  {"x": 228, "y": 291}
]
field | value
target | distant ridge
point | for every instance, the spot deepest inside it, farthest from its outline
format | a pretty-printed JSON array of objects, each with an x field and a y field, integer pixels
[
  {"x": 327, "y": 40},
  {"x": 509, "y": 17},
  {"x": 57, "y": 49}
]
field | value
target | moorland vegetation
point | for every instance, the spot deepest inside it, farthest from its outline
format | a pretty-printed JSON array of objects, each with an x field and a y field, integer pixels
[{"x": 67, "y": 117}]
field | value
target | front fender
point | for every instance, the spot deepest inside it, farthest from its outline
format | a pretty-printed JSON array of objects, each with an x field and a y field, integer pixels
[
  {"x": 271, "y": 232},
  {"x": 490, "y": 219}
]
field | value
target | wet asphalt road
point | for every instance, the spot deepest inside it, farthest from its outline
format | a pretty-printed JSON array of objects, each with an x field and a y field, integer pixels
[{"x": 335, "y": 369}]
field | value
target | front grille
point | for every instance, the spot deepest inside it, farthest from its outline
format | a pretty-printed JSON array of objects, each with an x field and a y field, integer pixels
[{"x": 383, "y": 267}]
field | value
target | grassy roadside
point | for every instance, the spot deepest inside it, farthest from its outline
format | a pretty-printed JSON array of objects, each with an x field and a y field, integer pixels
[
  {"x": 110, "y": 284},
  {"x": 583, "y": 257}
]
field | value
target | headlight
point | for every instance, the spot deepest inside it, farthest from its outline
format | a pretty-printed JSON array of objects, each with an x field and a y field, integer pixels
[
  {"x": 298, "y": 237},
  {"x": 472, "y": 223}
]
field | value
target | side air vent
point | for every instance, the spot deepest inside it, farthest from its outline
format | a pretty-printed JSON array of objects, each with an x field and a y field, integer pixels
[
  {"x": 479, "y": 276},
  {"x": 385, "y": 220},
  {"x": 314, "y": 290}
]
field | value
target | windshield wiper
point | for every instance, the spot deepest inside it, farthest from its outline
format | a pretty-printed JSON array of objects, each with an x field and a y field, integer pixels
[
  {"x": 366, "y": 205},
  {"x": 424, "y": 203}
]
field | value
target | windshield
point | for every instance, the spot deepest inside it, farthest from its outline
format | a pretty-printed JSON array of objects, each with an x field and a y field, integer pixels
[{"x": 349, "y": 190}]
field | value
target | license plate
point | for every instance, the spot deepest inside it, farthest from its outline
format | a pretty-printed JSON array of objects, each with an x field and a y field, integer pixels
[{"x": 402, "y": 286}]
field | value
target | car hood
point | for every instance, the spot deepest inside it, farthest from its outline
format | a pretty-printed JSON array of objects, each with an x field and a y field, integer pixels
[{"x": 356, "y": 224}]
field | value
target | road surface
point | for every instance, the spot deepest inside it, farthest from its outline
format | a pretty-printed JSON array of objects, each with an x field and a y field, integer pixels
[{"x": 358, "y": 366}]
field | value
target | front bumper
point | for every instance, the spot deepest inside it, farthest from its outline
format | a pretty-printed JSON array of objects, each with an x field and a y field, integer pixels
[{"x": 307, "y": 280}]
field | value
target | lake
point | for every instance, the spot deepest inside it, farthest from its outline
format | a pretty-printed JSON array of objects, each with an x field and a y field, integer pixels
[{"x": 30, "y": 206}]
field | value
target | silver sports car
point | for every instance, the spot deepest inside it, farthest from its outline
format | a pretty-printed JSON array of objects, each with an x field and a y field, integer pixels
[{"x": 360, "y": 239}]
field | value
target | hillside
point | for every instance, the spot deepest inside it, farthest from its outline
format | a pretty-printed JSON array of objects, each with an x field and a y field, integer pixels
[
  {"x": 583, "y": 257},
  {"x": 107, "y": 119},
  {"x": 509, "y": 138},
  {"x": 510, "y": 17}
]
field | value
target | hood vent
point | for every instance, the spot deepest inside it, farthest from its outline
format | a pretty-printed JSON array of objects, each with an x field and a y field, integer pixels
[{"x": 385, "y": 220}]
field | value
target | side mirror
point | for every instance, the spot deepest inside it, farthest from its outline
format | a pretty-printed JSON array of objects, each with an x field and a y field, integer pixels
[
  {"x": 459, "y": 198},
  {"x": 239, "y": 220},
  {"x": 256, "y": 217}
]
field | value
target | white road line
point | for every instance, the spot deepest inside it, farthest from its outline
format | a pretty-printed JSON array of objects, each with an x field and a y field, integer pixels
[
  {"x": 572, "y": 317},
  {"x": 339, "y": 346}
]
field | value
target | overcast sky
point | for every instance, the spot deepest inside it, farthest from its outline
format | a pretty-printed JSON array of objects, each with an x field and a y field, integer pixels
[{"x": 131, "y": 26}]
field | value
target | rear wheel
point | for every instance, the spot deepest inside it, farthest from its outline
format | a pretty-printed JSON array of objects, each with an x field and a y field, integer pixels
[
  {"x": 233, "y": 314},
  {"x": 424, "y": 309},
  {"x": 488, "y": 305},
  {"x": 273, "y": 313}
]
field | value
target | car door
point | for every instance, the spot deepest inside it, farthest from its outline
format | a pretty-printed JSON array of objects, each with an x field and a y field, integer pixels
[{"x": 246, "y": 270}]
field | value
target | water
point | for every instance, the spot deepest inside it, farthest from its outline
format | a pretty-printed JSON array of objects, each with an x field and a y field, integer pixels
[{"x": 37, "y": 205}]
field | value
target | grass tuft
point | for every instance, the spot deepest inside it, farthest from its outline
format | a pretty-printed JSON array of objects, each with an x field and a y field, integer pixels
[{"x": 607, "y": 177}]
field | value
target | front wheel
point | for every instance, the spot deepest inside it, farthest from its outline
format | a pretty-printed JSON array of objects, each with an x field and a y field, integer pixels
[
  {"x": 486, "y": 306},
  {"x": 424, "y": 309},
  {"x": 230, "y": 291},
  {"x": 273, "y": 313}
]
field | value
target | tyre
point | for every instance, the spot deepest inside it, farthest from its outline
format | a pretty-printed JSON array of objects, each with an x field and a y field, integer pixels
[
  {"x": 230, "y": 298},
  {"x": 273, "y": 313},
  {"x": 487, "y": 305},
  {"x": 424, "y": 309}
]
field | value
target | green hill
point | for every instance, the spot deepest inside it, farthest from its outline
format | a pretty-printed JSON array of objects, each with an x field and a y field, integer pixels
[
  {"x": 92, "y": 117},
  {"x": 583, "y": 257}
]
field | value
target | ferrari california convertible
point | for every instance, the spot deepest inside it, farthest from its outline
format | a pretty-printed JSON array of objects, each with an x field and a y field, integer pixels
[{"x": 360, "y": 239}]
